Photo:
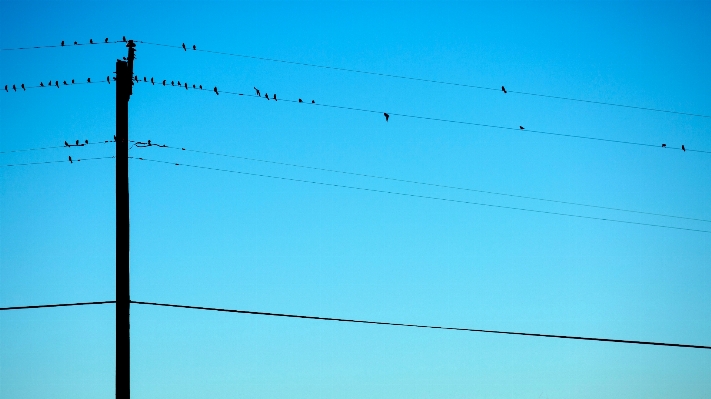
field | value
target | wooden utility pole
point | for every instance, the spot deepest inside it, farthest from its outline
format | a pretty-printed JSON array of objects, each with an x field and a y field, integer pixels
[{"x": 124, "y": 83}]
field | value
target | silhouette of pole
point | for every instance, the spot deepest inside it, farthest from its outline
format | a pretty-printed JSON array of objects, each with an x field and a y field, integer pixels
[{"x": 124, "y": 83}]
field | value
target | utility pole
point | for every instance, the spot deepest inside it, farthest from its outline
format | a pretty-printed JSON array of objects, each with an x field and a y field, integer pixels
[{"x": 124, "y": 89}]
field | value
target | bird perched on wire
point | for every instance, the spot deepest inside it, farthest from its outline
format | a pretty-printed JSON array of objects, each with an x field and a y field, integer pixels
[
  {"x": 503, "y": 89},
  {"x": 163, "y": 82},
  {"x": 300, "y": 100},
  {"x": 136, "y": 77},
  {"x": 88, "y": 80},
  {"x": 75, "y": 43},
  {"x": 145, "y": 80},
  {"x": 70, "y": 159},
  {"x": 72, "y": 81},
  {"x": 108, "y": 79},
  {"x": 266, "y": 95},
  {"x": 520, "y": 127},
  {"x": 184, "y": 47},
  {"x": 683, "y": 148},
  {"x": 200, "y": 87},
  {"x": 41, "y": 85},
  {"x": 23, "y": 87},
  {"x": 86, "y": 141},
  {"x": 152, "y": 82},
  {"x": 194, "y": 48},
  {"x": 193, "y": 86},
  {"x": 56, "y": 83},
  {"x": 77, "y": 142},
  {"x": 62, "y": 43},
  {"x": 257, "y": 90},
  {"x": 91, "y": 41},
  {"x": 274, "y": 97},
  {"x": 66, "y": 144},
  {"x": 186, "y": 86},
  {"x": 172, "y": 83},
  {"x": 65, "y": 83},
  {"x": 124, "y": 39},
  {"x": 313, "y": 102},
  {"x": 179, "y": 83},
  {"x": 387, "y": 116},
  {"x": 664, "y": 145},
  {"x": 215, "y": 90},
  {"x": 14, "y": 88}
]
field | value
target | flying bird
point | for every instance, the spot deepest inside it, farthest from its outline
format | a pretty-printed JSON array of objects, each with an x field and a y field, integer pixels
[
  {"x": 14, "y": 88},
  {"x": 91, "y": 41},
  {"x": 275, "y": 97},
  {"x": 194, "y": 48},
  {"x": 66, "y": 144},
  {"x": 503, "y": 89},
  {"x": 300, "y": 100},
  {"x": 88, "y": 80},
  {"x": 387, "y": 116},
  {"x": 106, "y": 40},
  {"x": 520, "y": 127},
  {"x": 184, "y": 47},
  {"x": 215, "y": 90},
  {"x": 70, "y": 159},
  {"x": 257, "y": 90},
  {"x": 62, "y": 43},
  {"x": 683, "y": 148},
  {"x": 664, "y": 146}
]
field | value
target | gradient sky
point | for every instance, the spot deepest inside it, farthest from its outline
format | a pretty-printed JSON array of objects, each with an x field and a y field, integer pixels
[{"x": 208, "y": 238}]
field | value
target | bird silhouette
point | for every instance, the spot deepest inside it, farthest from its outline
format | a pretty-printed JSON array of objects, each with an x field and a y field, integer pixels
[
  {"x": 136, "y": 77},
  {"x": 186, "y": 86},
  {"x": 520, "y": 127},
  {"x": 56, "y": 83},
  {"x": 193, "y": 86},
  {"x": 72, "y": 81},
  {"x": 266, "y": 95},
  {"x": 257, "y": 90},
  {"x": 152, "y": 82},
  {"x": 77, "y": 142},
  {"x": 23, "y": 87},
  {"x": 313, "y": 102},
  {"x": 664, "y": 145},
  {"x": 200, "y": 87},
  {"x": 6, "y": 87},
  {"x": 300, "y": 100},
  {"x": 106, "y": 40},
  {"x": 144, "y": 79},
  {"x": 275, "y": 97},
  {"x": 149, "y": 142},
  {"x": 172, "y": 83},
  {"x": 14, "y": 88},
  {"x": 108, "y": 80},
  {"x": 41, "y": 85},
  {"x": 215, "y": 90},
  {"x": 387, "y": 116},
  {"x": 86, "y": 141},
  {"x": 179, "y": 83},
  {"x": 124, "y": 39},
  {"x": 62, "y": 43},
  {"x": 91, "y": 41},
  {"x": 66, "y": 144},
  {"x": 70, "y": 159},
  {"x": 75, "y": 43},
  {"x": 163, "y": 82},
  {"x": 194, "y": 48},
  {"x": 683, "y": 148},
  {"x": 184, "y": 47},
  {"x": 503, "y": 89},
  {"x": 65, "y": 83},
  {"x": 88, "y": 80}
]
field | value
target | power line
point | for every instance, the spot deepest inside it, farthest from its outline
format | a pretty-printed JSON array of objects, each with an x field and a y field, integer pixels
[
  {"x": 53, "y": 83},
  {"x": 435, "y": 81},
  {"x": 58, "y": 305},
  {"x": 65, "y": 45},
  {"x": 519, "y": 129},
  {"x": 55, "y": 147},
  {"x": 428, "y": 184},
  {"x": 383, "y": 323},
  {"x": 423, "y": 196},
  {"x": 62, "y": 161}
]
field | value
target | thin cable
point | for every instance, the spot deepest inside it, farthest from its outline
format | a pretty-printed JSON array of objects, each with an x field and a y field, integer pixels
[
  {"x": 383, "y": 323},
  {"x": 58, "y": 305},
  {"x": 435, "y": 81},
  {"x": 55, "y": 85},
  {"x": 62, "y": 161},
  {"x": 519, "y": 130},
  {"x": 55, "y": 147},
  {"x": 61, "y": 46},
  {"x": 429, "y": 184},
  {"x": 423, "y": 196}
]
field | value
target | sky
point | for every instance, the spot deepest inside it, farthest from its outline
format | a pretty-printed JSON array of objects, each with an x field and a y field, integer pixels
[{"x": 204, "y": 237}]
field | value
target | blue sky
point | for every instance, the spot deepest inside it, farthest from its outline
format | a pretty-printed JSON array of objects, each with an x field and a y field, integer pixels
[{"x": 208, "y": 238}]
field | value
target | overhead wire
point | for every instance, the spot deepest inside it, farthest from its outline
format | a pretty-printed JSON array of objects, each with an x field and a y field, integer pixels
[
  {"x": 423, "y": 326},
  {"x": 422, "y": 196},
  {"x": 55, "y": 147},
  {"x": 62, "y": 45},
  {"x": 57, "y": 305},
  {"x": 62, "y": 161},
  {"x": 433, "y": 81}
]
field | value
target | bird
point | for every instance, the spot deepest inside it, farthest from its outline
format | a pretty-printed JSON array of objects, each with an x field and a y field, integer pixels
[
  {"x": 274, "y": 97},
  {"x": 184, "y": 47},
  {"x": 72, "y": 81},
  {"x": 387, "y": 116},
  {"x": 14, "y": 88},
  {"x": 106, "y": 40},
  {"x": 313, "y": 102},
  {"x": 152, "y": 82},
  {"x": 179, "y": 83},
  {"x": 66, "y": 144},
  {"x": 56, "y": 83},
  {"x": 144, "y": 79},
  {"x": 91, "y": 41},
  {"x": 136, "y": 77},
  {"x": 683, "y": 148},
  {"x": 186, "y": 86},
  {"x": 257, "y": 90},
  {"x": 194, "y": 48},
  {"x": 108, "y": 80},
  {"x": 75, "y": 43},
  {"x": 86, "y": 141},
  {"x": 163, "y": 82},
  {"x": 172, "y": 83},
  {"x": 77, "y": 142},
  {"x": 215, "y": 90},
  {"x": 65, "y": 83},
  {"x": 200, "y": 87},
  {"x": 70, "y": 159},
  {"x": 503, "y": 89},
  {"x": 520, "y": 127},
  {"x": 664, "y": 145},
  {"x": 88, "y": 80},
  {"x": 149, "y": 142},
  {"x": 193, "y": 86},
  {"x": 6, "y": 87},
  {"x": 300, "y": 100},
  {"x": 266, "y": 95},
  {"x": 62, "y": 43},
  {"x": 124, "y": 39},
  {"x": 23, "y": 87},
  {"x": 41, "y": 85}
]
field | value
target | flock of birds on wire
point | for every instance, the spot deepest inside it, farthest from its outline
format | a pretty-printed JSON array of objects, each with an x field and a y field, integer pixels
[{"x": 196, "y": 87}]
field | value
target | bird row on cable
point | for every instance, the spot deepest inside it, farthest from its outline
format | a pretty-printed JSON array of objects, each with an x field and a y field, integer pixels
[
  {"x": 186, "y": 49},
  {"x": 91, "y": 41},
  {"x": 141, "y": 144},
  {"x": 76, "y": 144}
]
